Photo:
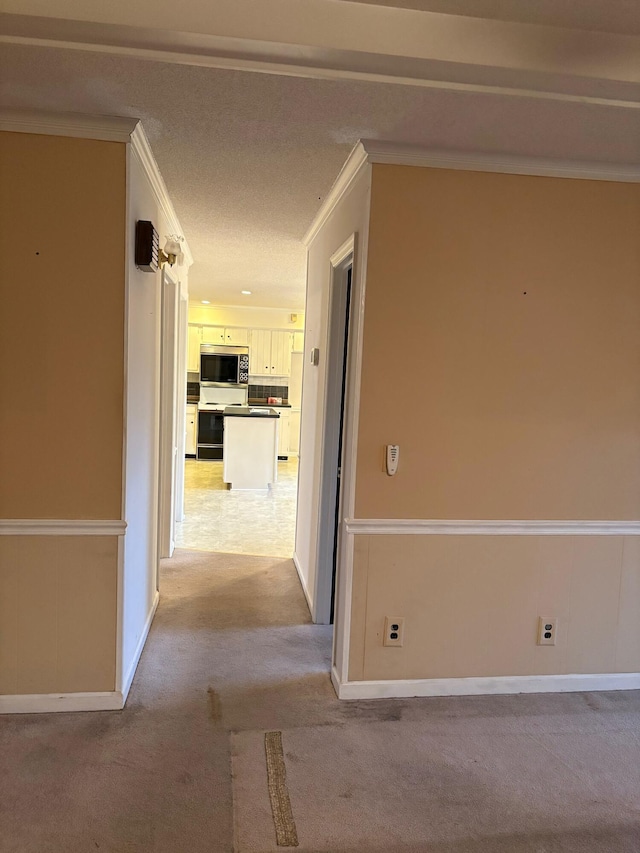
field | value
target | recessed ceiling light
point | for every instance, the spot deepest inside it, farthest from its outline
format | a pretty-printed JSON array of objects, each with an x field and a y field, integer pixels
[
  {"x": 206, "y": 302},
  {"x": 246, "y": 292}
]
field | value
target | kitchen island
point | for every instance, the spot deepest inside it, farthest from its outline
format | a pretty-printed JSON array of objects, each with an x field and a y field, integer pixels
[{"x": 250, "y": 447}]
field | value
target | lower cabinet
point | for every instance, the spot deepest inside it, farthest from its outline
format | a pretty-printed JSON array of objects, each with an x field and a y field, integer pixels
[
  {"x": 284, "y": 431},
  {"x": 191, "y": 430},
  {"x": 294, "y": 432}
]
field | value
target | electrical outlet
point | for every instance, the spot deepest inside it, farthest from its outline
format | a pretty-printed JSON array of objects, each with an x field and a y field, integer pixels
[
  {"x": 393, "y": 631},
  {"x": 547, "y": 630}
]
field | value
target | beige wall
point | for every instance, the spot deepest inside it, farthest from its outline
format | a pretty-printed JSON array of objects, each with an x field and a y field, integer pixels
[
  {"x": 471, "y": 605},
  {"x": 61, "y": 327},
  {"x": 61, "y": 408},
  {"x": 501, "y": 332},
  {"x": 57, "y": 614},
  {"x": 501, "y": 351}
]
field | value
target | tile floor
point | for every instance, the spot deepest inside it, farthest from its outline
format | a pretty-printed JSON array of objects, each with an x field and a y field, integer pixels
[{"x": 238, "y": 522}]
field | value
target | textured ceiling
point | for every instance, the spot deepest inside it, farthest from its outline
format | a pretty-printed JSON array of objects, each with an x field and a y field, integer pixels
[{"x": 249, "y": 157}]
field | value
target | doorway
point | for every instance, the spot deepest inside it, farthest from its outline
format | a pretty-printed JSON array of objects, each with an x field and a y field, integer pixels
[
  {"x": 217, "y": 518},
  {"x": 332, "y": 492}
]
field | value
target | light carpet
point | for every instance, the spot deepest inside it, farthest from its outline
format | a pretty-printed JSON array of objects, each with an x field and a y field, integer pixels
[
  {"x": 231, "y": 655},
  {"x": 473, "y": 784}
]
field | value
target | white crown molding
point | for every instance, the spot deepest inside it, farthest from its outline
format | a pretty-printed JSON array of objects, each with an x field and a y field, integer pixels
[
  {"x": 105, "y": 128},
  {"x": 47, "y": 703},
  {"x": 368, "y": 151},
  {"x": 61, "y": 527},
  {"x": 357, "y": 160},
  {"x": 408, "y": 155},
  {"x": 140, "y": 146},
  {"x": 488, "y": 527}
]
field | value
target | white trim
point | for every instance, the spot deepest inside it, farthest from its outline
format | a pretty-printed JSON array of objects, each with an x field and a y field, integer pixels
[
  {"x": 482, "y": 527},
  {"x": 126, "y": 686},
  {"x": 344, "y": 602},
  {"x": 303, "y": 582},
  {"x": 337, "y": 335},
  {"x": 343, "y": 253},
  {"x": 120, "y": 615},
  {"x": 48, "y": 703},
  {"x": 368, "y": 151},
  {"x": 105, "y": 128},
  {"x": 140, "y": 146},
  {"x": 478, "y": 686},
  {"x": 408, "y": 155},
  {"x": 356, "y": 160},
  {"x": 344, "y": 579},
  {"x": 61, "y": 527},
  {"x": 169, "y": 397}
]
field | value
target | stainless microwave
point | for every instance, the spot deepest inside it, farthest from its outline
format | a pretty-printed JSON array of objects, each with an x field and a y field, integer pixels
[{"x": 221, "y": 365}]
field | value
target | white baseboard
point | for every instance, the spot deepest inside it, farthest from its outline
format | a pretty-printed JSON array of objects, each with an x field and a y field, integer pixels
[
  {"x": 126, "y": 686},
  {"x": 303, "y": 583},
  {"x": 48, "y": 703},
  {"x": 484, "y": 686}
]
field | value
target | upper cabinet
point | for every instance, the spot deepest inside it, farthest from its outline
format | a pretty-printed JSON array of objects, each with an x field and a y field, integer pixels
[
  {"x": 213, "y": 334},
  {"x": 193, "y": 352},
  {"x": 236, "y": 337},
  {"x": 269, "y": 349},
  {"x": 221, "y": 335},
  {"x": 269, "y": 352},
  {"x": 281, "y": 353}
]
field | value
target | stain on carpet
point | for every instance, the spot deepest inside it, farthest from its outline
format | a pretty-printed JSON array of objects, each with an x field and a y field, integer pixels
[
  {"x": 286, "y": 833},
  {"x": 215, "y": 708}
]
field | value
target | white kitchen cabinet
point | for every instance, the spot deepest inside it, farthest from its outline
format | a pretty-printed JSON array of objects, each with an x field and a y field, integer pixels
[
  {"x": 225, "y": 335},
  {"x": 191, "y": 430},
  {"x": 270, "y": 352},
  {"x": 281, "y": 353},
  {"x": 193, "y": 349},
  {"x": 260, "y": 352},
  {"x": 294, "y": 432},
  {"x": 298, "y": 342},
  {"x": 284, "y": 430},
  {"x": 250, "y": 452},
  {"x": 213, "y": 334},
  {"x": 236, "y": 337}
]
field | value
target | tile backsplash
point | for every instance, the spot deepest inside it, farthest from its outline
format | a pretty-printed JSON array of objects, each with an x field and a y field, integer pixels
[{"x": 260, "y": 391}]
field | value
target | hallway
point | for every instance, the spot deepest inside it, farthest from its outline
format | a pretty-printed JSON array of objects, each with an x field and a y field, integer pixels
[
  {"x": 232, "y": 647},
  {"x": 232, "y": 654}
]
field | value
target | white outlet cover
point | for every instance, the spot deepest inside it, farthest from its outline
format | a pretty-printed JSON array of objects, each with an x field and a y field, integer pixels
[
  {"x": 389, "y": 622},
  {"x": 547, "y": 625}
]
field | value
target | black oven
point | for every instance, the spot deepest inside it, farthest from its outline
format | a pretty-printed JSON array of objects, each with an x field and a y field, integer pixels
[
  {"x": 210, "y": 434},
  {"x": 224, "y": 365}
]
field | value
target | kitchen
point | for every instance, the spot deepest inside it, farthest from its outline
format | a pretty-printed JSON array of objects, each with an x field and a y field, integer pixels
[{"x": 244, "y": 377}]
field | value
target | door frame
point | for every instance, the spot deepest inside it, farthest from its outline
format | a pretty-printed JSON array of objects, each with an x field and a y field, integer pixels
[
  {"x": 181, "y": 410},
  {"x": 169, "y": 336},
  {"x": 324, "y": 594}
]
